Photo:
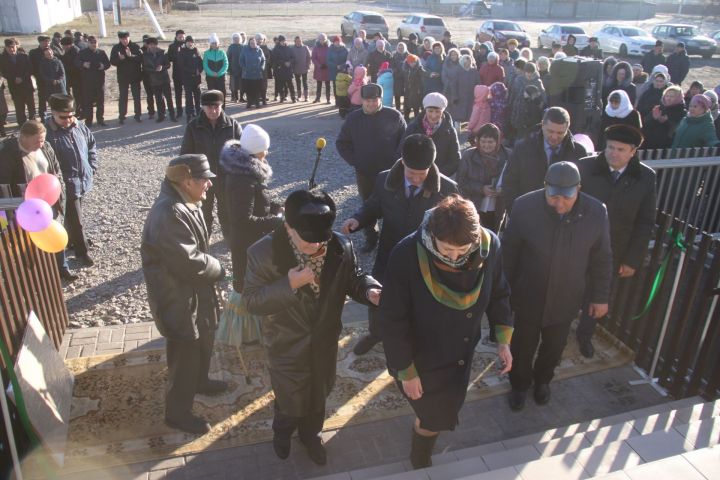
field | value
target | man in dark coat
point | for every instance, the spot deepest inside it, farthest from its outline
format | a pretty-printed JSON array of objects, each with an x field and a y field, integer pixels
[
  {"x": 147, "y": 84},
  {"x": 533, "y": 154},
  {"x": 283, "y": 61},
  {"x": 36, "y": 57},
  {"x": 156, "y": 65},
  {"x": 173, "y": 52},
  {"x": 190, "y": 66},
  {"x": 626, "y": 186},
  {"x": 73, "y": 74},
  {"x": 400, "y": 198},
  {"x": 297, "y": 278},
  {"x": 678, "y": 64},
  {"x": 654, "y": 57},
  {"x": 93, "y": 62},
  {"x": 180, "y": 275},
  {"x": 127, "y": 57},
  {"x": 556, "y": 251},
  {"x": 74, "y": 146},
  {"x": 207, "y": 134},
  {"x": 369, "y": 141},
  {"x": 16, "y": 67},
  {"x": 444, "y": 135},
  {"x": 592, "y": 49}
]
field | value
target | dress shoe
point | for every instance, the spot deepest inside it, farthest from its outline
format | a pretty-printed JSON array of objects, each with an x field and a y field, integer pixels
[
  {"x": 121, "y": 121},
  {"x": 317, "y": 100},
  {"x": 102, "y": 123},
  {"x": 516, "y": 399},
  {"x": 365, "y": 344},
  {"x": 173, "y": 118},
  {"x": 586, "y": 348},
  {"x": 138, "y": 119},
  {"x": 151, "y": 115},
  {"x": 421, "y": 450},
  {"x": 85, "y": 260},
  {"x": 189, "y": 424},
  {"x": 542, "y": 394},
  {"x": 160, "y": 118},
  {"x": 67, "y": 275},
  {"x": 281, "y": 445},
  {"x": 316, "y": 451},
  {"x": 179, "y": 113},
  {"x": 213, "y": 387}
]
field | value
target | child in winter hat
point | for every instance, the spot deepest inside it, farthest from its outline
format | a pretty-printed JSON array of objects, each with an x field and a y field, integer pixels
[
  {"x": 498, "y": 105},
  {"x": 481, "y": 111}
]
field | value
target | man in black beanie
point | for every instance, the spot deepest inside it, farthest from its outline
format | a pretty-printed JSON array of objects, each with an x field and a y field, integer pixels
[
  {"x": 400, "y": 197},
  {"x": 298, "y": 277}
]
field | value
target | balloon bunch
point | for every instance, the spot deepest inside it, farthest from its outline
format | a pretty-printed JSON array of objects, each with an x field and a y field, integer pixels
[{"x": 35, "y": 215}]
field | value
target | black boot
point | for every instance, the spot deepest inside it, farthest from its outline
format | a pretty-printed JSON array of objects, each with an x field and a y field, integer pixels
[
  {"x": 421, "y": 453},
  {"x": 281, "y": 445}
]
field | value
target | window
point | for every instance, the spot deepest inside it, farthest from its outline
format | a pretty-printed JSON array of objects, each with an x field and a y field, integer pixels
[
  {"x": 684, "y": 31},
  {"x": 507, "y": 26},
  {"x": 573, "y": 30},
  {"x": 374, "y": 19},
  {"x": 434, "y": 22}
]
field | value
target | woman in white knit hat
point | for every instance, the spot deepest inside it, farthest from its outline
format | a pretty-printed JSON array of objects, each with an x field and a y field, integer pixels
[
  {"x": 215, "y": 65},
  {"x": 252, "y": 214}
]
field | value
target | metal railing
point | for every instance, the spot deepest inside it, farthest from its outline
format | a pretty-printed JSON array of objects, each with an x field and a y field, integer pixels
[{"x": 688, "y": 183}]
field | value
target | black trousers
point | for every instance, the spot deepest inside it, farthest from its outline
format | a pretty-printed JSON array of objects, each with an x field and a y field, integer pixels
[
  {"x": 192, "y": 98},
  {"x": 308, "y": 427},
  {"x": 150, "y": 98},
  {"x": 285, "y": 86},
  {"x": 23, "y": 99},
  {"x": 318, "y": 90},
  {"x": 78, "y": 93},
  {"x": 74, "y": 225},
  {"x": 94, "y": 94},
  {"x": 253, "y": 91},
  {"x": 217, "y": 191},
  {"x": 217, "y": 83},
  {"x": 526, "y": 366},
  {"x": 161, "y": 91},
  {"x": 178, "y": 87},
  {"x": 365, "y": 186},
  {"x": 123, "y": 100},
  {"x": 587, "y": 324},
  {"x": 42, "y": 97},
  {"x": 188, "y": 366},
  {"x": 398, "y": 98},
  {"x": 301, "y": 83},
  {"x": 237, "y": 89}
]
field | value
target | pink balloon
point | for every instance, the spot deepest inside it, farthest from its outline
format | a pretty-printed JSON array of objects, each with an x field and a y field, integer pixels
[
  {"x": 585, "y": 141},
  {"x": 46, "y": 187},
  {"x": 34, "y": 215}
]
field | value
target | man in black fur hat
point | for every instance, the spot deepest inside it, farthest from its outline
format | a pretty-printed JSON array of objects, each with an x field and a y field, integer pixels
[
  {"x": 400, "y": 197},
  {"x": 298, "y": 277},
  {"x": 127, "y": 57}
]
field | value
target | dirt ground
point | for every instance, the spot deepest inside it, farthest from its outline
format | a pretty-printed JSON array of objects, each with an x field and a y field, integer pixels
[{"x": 307, "y": 18}]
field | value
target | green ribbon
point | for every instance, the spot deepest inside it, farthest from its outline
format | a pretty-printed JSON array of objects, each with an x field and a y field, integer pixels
[
  {"x": 678, "y": 240},
  {"x": 22, "y": 410}
]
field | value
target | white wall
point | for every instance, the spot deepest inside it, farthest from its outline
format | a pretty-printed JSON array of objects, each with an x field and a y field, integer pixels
[{"x": 40, "y": 15}]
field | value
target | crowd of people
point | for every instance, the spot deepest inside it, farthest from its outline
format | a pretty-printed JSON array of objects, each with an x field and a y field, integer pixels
[{"x": 571, "y": 221}]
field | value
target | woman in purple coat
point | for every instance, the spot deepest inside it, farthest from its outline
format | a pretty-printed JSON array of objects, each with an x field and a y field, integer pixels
[{"x": 321, "y": 73}]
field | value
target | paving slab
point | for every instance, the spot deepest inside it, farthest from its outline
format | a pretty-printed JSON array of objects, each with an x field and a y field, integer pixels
[
  {"x": 706, "y": 461},
  {"x": 560, "y": 467},
  {"x": 608, "y": 458},
  {"x": 659, "y": 445},
  {"x": 672, "y": 468}
]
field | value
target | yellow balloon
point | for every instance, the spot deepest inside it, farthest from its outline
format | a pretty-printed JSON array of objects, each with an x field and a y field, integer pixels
[{"x": 53, "y": 239}]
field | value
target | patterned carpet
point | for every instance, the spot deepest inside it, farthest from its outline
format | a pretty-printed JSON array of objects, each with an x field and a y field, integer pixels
[{"x": 117, "y": 412}]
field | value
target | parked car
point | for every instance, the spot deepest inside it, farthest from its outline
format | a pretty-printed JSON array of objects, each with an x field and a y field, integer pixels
[
  {"x": 715, "y": 36},
  {"x": 422, "y": 25},
  {"x": 559, "y": 34},
  {"x": 371, "y": 22},
  {"x": 624, "y": 40},
  {"x": 500, "y": 31},
  {"x": 695, "y": 42}
]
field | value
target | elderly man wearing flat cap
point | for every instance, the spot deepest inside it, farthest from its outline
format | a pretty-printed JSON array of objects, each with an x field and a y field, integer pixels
[
  {"x": 297, "y": 277},
  {"x": 556, "y": 254},
  {"x": 626, "y": 186},
  {"x": 127, "y": 57},
  {"x": 207, "y": 134},
  {"x": 400, "y": 198},
  {"x": 180, "y": 275},
  {"x": 368, "y": 141}
]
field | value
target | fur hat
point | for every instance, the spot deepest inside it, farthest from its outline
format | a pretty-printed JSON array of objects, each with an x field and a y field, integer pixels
[
  {"x": 371, "y": 90},
  {"x": 435, "y": 99},
  {"x": 418, "y": 151},
  {"x": 254, "y": 139},
  {"x": 61, "y": 103},
  {"x": 214, "y": 39},
  {"x": 624, "y": 134},
  {"x": 212, "y": 97},
  {"x": 311, "y": 214}
]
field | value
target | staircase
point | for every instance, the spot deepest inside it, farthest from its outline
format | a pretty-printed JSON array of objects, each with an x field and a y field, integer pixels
[{"x": 671, "y": 441}]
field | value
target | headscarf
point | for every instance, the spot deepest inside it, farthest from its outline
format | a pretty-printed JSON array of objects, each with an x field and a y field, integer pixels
[
  {"x": 498, "y": 104},
  {"x": 625, "y": 105}
]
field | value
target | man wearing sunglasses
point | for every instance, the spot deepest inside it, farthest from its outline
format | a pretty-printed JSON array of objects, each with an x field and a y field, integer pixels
[
  {"x": 74, "y": 146},
  {"x": 555, "y": 249}
]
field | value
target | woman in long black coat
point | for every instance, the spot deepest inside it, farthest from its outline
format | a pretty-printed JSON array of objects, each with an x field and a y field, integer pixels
[{"x": 438, "y": 285}]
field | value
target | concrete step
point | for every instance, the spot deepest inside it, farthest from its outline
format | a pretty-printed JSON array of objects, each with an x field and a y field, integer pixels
[{"x": 592, "y": 448}]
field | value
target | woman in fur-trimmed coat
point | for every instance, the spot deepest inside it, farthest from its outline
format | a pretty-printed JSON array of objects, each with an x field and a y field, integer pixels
[{"x": 253, "y": 213}]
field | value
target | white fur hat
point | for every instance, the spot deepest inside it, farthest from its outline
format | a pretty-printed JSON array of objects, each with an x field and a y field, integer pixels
[
  {"x": 254, "y": 139},
  {"x": 214, "y": 39}
]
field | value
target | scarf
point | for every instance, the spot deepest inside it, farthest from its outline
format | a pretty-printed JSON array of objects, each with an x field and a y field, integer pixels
[
  {"x": 316, "y": 261},
  {"x": 428, "y": 127},
  {"x": 439, "y": 291},
  {"x": 625, "y": 105}
]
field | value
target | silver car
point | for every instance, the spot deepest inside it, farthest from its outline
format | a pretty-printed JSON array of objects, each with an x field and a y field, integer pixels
[
  {"x": 371, "y": 22},
  {"x": 560, "y": 33},
  {"x": 624, "y": 40},
  {"x": 422, "y": 25}
]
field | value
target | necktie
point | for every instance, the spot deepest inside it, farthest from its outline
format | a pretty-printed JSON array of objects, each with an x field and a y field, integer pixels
[
  {"x": 554, "y": 155},
  {"x": 412, "y": 189},
  {"x": 615, "y": 175}
]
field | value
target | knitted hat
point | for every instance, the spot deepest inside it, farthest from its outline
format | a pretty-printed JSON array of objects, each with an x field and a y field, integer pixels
[
  {"x": 624, "y": 134},
  {"x": 384, "y": 66},
  {"x": 189, "y": 39},
  {"x": 336, "y": 38},
  {"x": 311, "y": 214},
  {"x": 411, "y": 59},
  {"x": 702, "y": 100},
  {"x": 281, "y": 38},
  {"x": 236, "y": 36},
  {"x": 214, "y": 39},
  {"x": 254, "y": 139},
  {"x": 436, "y": 100},
  {"x": 418, "y": 151}
]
